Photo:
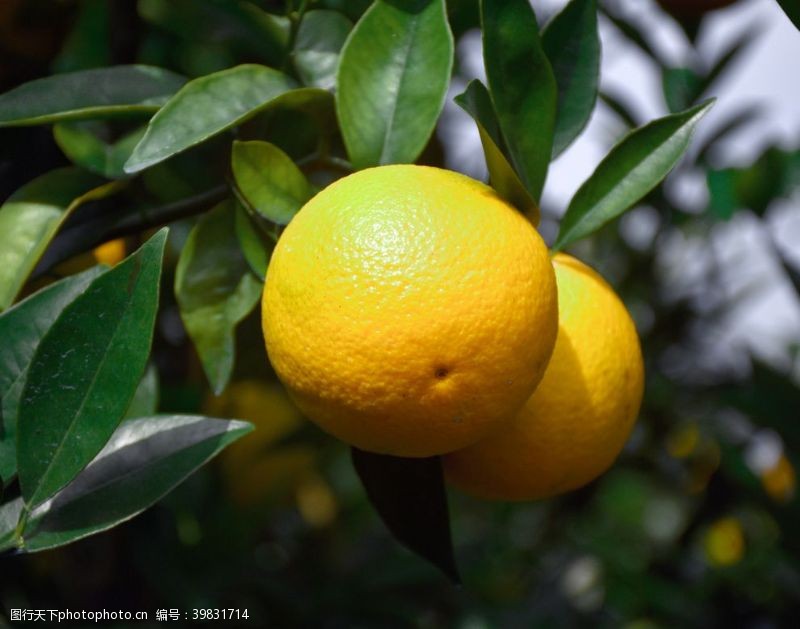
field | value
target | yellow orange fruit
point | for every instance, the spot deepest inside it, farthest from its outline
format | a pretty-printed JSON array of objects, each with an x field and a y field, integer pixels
[
  {"x": 724, "y": 542},
  {"x": 578, "y": 419},
  {"x": 111, "y": 252},
  {"x": 409, "y": 310}
]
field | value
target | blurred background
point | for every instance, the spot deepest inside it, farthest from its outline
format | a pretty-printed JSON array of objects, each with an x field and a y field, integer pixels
[{"x": 697, "y": 523}]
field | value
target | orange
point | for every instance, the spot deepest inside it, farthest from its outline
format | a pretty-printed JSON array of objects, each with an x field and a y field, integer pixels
[
  {"x": 409, "y": 310},
  {"x": 577, "y": 421}
]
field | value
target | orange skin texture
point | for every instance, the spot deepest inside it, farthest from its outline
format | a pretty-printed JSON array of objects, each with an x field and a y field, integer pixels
[
  {"x": 579, "y": 418},
  {"x": 409, "y": 310}
]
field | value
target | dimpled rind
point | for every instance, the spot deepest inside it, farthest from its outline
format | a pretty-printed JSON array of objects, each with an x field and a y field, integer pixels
[
  {"x": 409, "y": 310},
  {"x": 579, "y": 418}
]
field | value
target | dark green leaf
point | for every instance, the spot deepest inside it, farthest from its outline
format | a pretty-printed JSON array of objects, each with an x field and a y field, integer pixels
[
  {"x": 255, "y": 247},
  {"x": 22, "y": 328},
  {"x": 215, "y": 290},
  {"x": 269, "y": 181},
  {"x": 30, "y": 218},
  {"x": 205, "y": 107},
  {"x": 99, "y": 93},
  {"x": 143, "y": 461},
  {"x": 410, "y": 498},
  {"x": 724, "y": 201},
  {"x": 145, "y": 400},
  {"x": 85, "y": 371},
  {"x": 681, "y": 88},
  {"x": 792, "y": 10},
  {"x": 89, "y": 42},
  {"x": 572, "y": 43},
  {"x": 237, "y": 29},
  {"x": 392, "y": 81},
  {"x": 320, "y": 38},
  {"x": 632, "y": 169},
  {"x": 475, "y": 100},
  {"x": 83, "y": 146},
  {"x": 522, "y": 87}
]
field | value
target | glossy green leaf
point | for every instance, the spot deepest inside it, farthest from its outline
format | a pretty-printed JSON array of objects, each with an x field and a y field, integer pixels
[
  {"x": 319, "y": 41},
  {"x": 30, "y": 218},
  {"x": 392, "y": 81},
  {"x": 205, "y": 107},
  {"x": 85, "y": 371},
  {"x": 635, "y": 166},
  {"x": 792, "y": 10},
  {"x": 143, "y": 461},
  {"x": 145, "y": 399},
  {"x": 269, "y": 181},
  {"x": 83, "y": 145},
  {"x": 572, "y": 44},
  {"x": 522, "y": 87},
  {"x": 22, "y": 328},
  {"x": 256, "y": 249},
  {"x": 88, "y": 94},
  {"x": 215, "y": 290},
  {"x": 475, "y": 100}
]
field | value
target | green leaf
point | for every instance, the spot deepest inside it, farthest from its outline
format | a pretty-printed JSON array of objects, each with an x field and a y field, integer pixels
[
  {"x": 84, "y": 373},
  {"x": 319, "y": 41},
  {"x": 98, "y": 93},
  {"x": 144, "y": 460},
  {"x": 635, "y": 166},
  {"x": 269, "y": 181},
  {"x": 205, "y": 107},
  {"x": 89, "y": 41},
  {"x": 723, "y": 201},
  {"x": 31, "y": 217},
  {"x": 522, "y": 86},
  {"x": 145, "y": 399},
  {"x": 681, "y": 88},
  {"x": 231, "y": 28},
  {"x": 83, "y": 145},
  {"x": 792, "y": 10},
  {"x": 255, "y": 248},
  {"x": 392, "y": 81},
  {"x": 475, "y": 100},
  {"x": 215, "y": 290},
  {"x": 22, "y": 328},
  {"x": 572, "y": 44}
]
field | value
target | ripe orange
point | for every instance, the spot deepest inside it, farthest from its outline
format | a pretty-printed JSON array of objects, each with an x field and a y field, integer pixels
[
  {"x": 409, "y": 310},
  {"x": 577, "y": 421}
]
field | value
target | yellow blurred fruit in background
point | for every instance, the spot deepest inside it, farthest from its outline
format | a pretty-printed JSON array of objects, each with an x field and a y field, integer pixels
[
  {"x": 724, "y": 542},
  {"x": 258, "y": 467}
]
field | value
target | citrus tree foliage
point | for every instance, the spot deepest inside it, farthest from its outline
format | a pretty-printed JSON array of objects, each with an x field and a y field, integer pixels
[
  {"x": 380, "y": 106},
  {"x": 199, "y": 146}
]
